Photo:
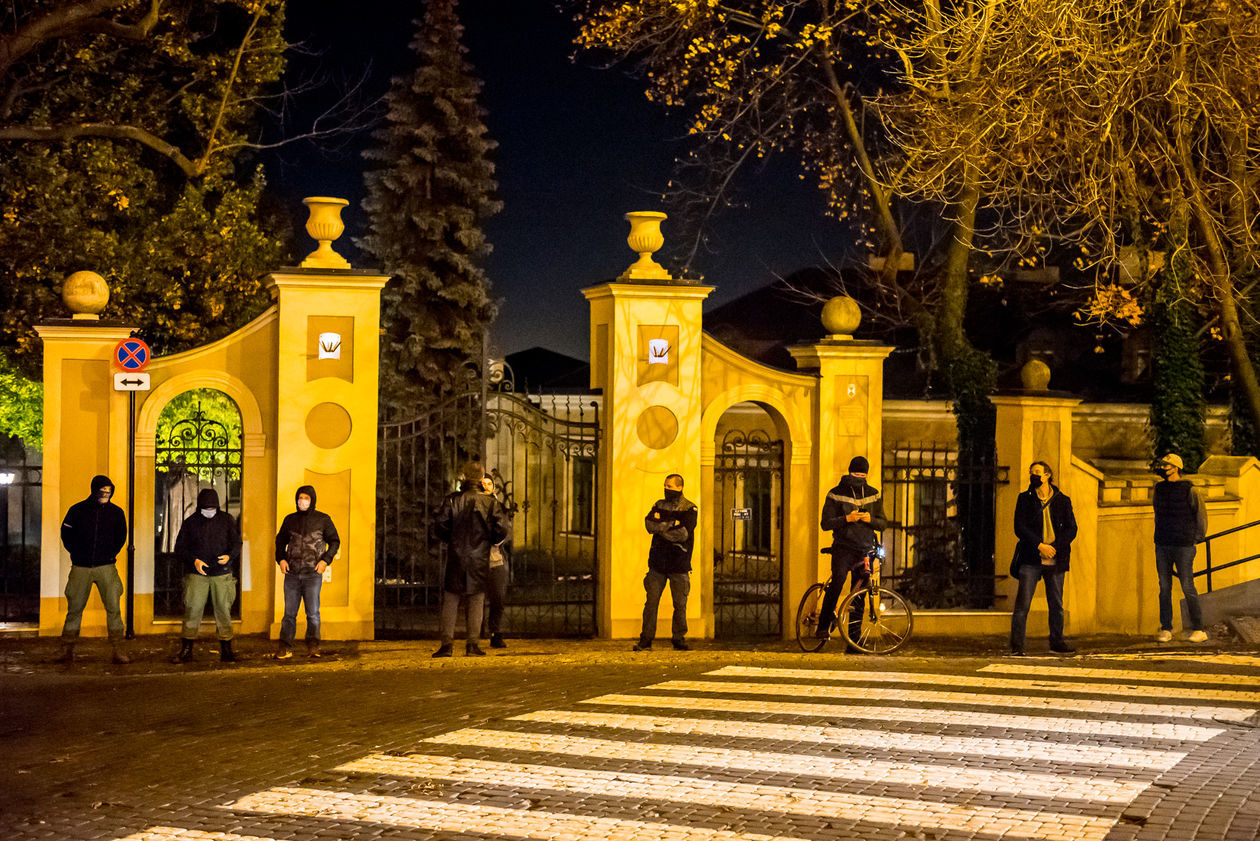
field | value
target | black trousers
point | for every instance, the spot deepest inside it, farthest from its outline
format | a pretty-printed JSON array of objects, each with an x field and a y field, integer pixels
[{"x": 846, "y": 565}]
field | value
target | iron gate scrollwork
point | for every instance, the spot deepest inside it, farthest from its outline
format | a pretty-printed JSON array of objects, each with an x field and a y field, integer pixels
[
  {"x": 541, "y": 451},
  {"x": 198, "y": 452},
  {"x": 748, "y": 535},
  {"x": 21, "y": 477}
]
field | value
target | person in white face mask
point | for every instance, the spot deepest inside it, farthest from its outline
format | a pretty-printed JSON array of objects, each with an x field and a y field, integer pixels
[
  {"x": 209, "y": 544},
  {"x": 306, "y": 544}
]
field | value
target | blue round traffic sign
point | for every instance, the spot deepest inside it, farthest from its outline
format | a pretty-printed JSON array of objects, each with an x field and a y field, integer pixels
[{"x": 132, "y": 355}]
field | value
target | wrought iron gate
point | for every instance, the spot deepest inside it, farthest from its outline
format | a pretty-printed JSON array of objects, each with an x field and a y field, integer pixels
[
  {"x": 748, "y": 535},
  {"x": 20, "y": 488},
  {"x": 197, "y": 453},
  {"x": 934, "y": 503},
  {"x": 542, "y": 453}
]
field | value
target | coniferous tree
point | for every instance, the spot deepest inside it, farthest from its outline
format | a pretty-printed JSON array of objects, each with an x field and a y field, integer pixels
[{"x": 425, "y": 205}]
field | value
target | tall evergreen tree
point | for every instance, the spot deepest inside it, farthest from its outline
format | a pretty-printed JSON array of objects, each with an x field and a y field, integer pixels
[{"x": 425, "y": 205}]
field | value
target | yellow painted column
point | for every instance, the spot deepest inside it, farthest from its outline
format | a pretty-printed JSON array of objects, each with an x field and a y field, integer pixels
[
  {"x": 1037, "y": 426},
  {"x": 328, "y": 370},
  {"x": 85, "y": 433},
  {"x": 645, "y": 355},
  {"x": 848, "y": 411}
]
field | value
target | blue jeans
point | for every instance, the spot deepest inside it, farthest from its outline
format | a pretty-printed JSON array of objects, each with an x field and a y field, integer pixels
[
  {"x": 1029, "y": 575},
  {"x": 1179, "y": 559},
  {"x": 679, "y": 587},
  {"x": 301, "y": 588}
]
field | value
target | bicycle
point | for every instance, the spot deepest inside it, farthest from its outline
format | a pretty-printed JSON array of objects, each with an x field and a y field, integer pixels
[{"x": 878, "y": 625}]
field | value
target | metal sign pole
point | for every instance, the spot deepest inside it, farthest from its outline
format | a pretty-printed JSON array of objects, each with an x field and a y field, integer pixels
[{"x": 131, "y": 516}]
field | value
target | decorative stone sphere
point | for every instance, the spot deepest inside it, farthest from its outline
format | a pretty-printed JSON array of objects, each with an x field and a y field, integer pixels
[
  {"x": 1035, "y": 375},
  {"x": 841, "y": 316},
  {"x": 85, "y": 294}
]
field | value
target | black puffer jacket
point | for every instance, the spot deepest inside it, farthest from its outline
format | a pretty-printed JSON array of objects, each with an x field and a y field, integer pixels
[
  {"x": 849, "y": 539},
  {"x": 208, "y": 538},
  {"x": 307, "y": 537},
  {"x": 672, "y": 524},
  {"x": 94, "y": 532},
  {"x": 470, "y": 522}
]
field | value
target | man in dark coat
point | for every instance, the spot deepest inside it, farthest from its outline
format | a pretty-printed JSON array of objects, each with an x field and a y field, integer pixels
[
  {"x": 852, "y": 512},
  {"x": 306, "y": 545},
  {"x": 672, "y": 524},
  {"x": 94, "y": 532},
  {"x": 209, "y": 544},
  {"x": 470, "y": 522},
  {"x": 1045, "y": 528},
  {"x": 1180, "y": 524}
]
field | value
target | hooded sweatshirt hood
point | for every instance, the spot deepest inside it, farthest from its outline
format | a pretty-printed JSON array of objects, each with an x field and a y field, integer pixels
[
  {"x": 101, "y": 481},
  {"x": 208, "y": 498},
  {"x": 309, "y": 491}
]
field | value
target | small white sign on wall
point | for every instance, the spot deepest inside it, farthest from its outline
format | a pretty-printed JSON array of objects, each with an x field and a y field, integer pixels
[
  {"x": 329, "y": 345},
  {"x": 658, "y": 351}
]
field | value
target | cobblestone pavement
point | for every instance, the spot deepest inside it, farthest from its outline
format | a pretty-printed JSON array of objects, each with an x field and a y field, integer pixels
[{"x": 586, "y": 740}]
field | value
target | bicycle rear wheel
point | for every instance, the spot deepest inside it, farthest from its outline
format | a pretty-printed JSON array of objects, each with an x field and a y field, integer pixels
[
  {"x": 807, "y": 619},
  {"x": 875, "y": 626}
]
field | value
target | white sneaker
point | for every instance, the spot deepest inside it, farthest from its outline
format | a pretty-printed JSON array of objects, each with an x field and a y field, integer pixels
[
  {"x": 1196, "y": 636},
  {"x": 1164, "y": 636}
]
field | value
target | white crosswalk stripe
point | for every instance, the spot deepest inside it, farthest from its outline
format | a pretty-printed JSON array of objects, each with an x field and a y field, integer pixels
[{"x": 1024, "y": 756}]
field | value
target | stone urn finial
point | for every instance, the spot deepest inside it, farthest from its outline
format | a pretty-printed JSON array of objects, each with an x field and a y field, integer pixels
[
  {"x": 841, "y": 317},
  {"x": 1035, "y": 375},
  {"x": 324, "y": 226},
  {"x": 646, "y": 239},
  {"x": 85, "y": 294}
]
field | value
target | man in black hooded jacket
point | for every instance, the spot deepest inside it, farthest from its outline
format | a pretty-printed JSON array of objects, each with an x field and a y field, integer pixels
[
  {"x": 94, "y": 532},
  {"x": 853, "y": 512},
  {"x": 209, "y": 544},
  {"x": 305, "y": 546}
]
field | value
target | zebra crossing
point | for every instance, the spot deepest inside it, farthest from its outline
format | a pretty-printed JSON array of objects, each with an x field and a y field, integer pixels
[{"x": 1020, "y": 751}]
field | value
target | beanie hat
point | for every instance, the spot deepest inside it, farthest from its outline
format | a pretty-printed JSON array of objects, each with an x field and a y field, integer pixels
[{"x": 859, "y": 464}]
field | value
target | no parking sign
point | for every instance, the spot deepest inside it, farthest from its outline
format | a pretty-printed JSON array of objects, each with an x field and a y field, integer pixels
[{"x": 132, "y": 355}]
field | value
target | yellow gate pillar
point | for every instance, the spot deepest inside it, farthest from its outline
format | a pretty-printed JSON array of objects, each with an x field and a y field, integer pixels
[
  {"x": 850, "y": 403},
  {"x": 329, "y": 351},
  {"x": 1037, "y": 426},
  {"x": 85, "y": 433},
  {"x": 645, "y": 355}
]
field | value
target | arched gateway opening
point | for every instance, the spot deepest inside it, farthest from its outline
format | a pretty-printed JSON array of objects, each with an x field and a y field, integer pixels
[{"x": 747, "y": 523}]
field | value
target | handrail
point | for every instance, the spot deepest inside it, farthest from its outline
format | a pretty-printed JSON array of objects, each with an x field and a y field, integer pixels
[{"x": 1207, "y": 541}]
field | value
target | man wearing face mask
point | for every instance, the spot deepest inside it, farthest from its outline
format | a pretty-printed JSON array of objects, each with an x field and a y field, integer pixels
[
  {"x": 94, "y": 532},
  {"x": 1180, "y": 523},
  {"x": 305, "y": 545},
  {"x": 1045, "y": 528},
  {"x": 852, "y": 512},
  {"x": 209, "y": 544},
  {"x": 672, "y": 524}
]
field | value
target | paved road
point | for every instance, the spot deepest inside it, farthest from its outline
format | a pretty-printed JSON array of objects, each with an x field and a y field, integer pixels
[{"x": 586, "y": 740}]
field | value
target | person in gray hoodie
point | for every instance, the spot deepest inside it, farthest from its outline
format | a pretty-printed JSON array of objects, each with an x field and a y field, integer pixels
[
  {"x": 209, "y": 544},
  {"x": 305, "y": 546}
]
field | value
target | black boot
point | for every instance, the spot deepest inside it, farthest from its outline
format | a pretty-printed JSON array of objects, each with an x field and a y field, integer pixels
[
  {"x": 225, "y": 651},
  {"x": 444, "y": 650},
  {"x": 496, "y": 641},
  {"x": 471, "y": 649},
  {"x": 66, "y": 655},
  {"x": 185, "y": 652}
]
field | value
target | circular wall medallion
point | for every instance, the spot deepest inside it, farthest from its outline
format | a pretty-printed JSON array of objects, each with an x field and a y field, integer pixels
[
  {"x": 328, "y": 426},
  {"x": 657, "y": 427}
]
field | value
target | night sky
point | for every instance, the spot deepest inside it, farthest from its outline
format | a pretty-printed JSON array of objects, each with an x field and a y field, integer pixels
[{"x": 578, "y": 147}]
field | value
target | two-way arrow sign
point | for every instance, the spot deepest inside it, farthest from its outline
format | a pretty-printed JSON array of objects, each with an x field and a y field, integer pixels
[{"x": 128, "y": 381}]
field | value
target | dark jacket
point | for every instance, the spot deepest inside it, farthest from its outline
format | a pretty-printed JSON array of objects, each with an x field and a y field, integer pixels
[
  {"x": 1180, "y": 518},
  {"x": 1028, "y": 530},
  {"x": 307, "y": 537},
  {"x": 206, "y": 538},
  {"x": 672, "y": 525},
  {"x": 94, "y": 532},
  {"x": 852, "y": 540},
  {"x": 470, "y": 522}
]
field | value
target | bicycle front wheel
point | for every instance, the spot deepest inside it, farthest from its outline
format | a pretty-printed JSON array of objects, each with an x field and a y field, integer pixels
[
  {"x": 875, "y": 625},
  {"x": 807, "y": 619}
]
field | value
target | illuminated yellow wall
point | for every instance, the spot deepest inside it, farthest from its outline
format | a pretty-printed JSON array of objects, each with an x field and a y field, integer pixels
[{"x": 305, "y": 421}]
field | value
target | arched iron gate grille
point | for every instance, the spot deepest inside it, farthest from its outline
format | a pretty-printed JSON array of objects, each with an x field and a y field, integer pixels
[
  {"x": 198, "y": 453},
  {"x": 21, "y": 477},
  {"x": 748, "y": 535},
  {"x": 542, "y": 452}
]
